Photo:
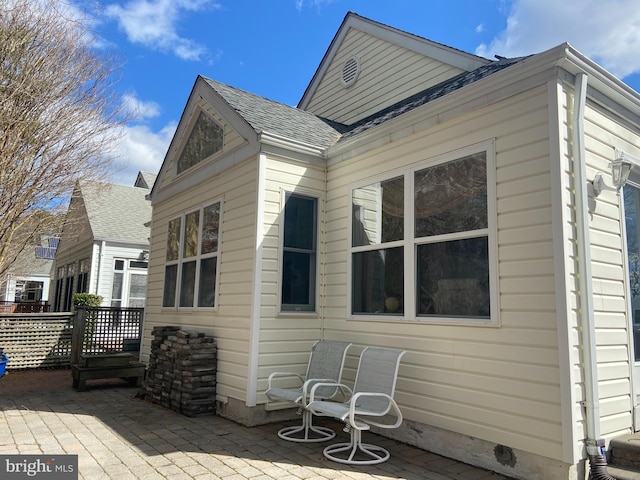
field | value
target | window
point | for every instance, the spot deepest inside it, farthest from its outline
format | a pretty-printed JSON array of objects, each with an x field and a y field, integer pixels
[
  {"x": 68, "y": 290},
  {"x": 129, "y": 286},
  {"x": 192, "y": 258},
  {"x": 83, "y": 276},
  {"x": 117, "y": 283},
  {"x": 432, "y": 261},
  {"x": 58, "y": 300},
  {"x": 205, "y": 139},
  {"x": 299, "y": 253},
  {"x": 378, "y": 254}
]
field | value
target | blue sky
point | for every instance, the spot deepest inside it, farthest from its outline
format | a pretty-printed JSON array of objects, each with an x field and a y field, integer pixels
[{"x": 273, "y": 47}]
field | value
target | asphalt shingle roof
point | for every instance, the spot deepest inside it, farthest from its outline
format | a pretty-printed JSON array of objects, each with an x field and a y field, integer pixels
[
  {"x": 268, "y": 116},
  {"x": 117, "y": 212},
  {"x": 265, "y": 115}
]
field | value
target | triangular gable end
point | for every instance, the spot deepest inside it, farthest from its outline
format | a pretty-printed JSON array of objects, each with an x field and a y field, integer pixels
[
  {"x": 370, "y": 66},
  {"x": 208, "y": 131}
]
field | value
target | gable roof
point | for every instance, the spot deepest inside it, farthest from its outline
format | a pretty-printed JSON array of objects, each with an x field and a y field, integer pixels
[
  {"x": 268, "y": 116},
  {"x": 117, "y": 212},
  {"x": 145, "y": 180},
  {"x": 428, "y": 48}
]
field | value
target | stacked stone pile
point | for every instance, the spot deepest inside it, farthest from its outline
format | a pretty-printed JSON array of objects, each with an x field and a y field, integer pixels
[{"x": 182, "y": 371}]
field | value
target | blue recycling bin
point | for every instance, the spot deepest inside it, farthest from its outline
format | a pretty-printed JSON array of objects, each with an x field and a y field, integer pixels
[{"x": 3, "y": 364}]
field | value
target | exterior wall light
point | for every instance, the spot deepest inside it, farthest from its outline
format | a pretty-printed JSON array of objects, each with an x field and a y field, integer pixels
[{"x": 620, "y": 169}]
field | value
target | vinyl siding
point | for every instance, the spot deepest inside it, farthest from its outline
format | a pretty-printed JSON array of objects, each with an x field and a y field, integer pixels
[
  {"x": 230, "y": 322},
  {"x": 602, "y": 135},
  {"x": 500, "y": 384},
  {"x": 107, "y": 258},
  {"x": 388, "y": 74},
  {"x": 285, "y": 338}
]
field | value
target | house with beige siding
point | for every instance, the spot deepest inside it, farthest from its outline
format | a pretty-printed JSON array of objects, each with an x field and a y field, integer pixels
[{"x": 426, "y": 199}]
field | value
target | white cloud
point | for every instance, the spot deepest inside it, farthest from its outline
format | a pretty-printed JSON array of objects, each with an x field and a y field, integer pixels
[
  {"x": 300, "y": 4},
  {"x": 153, "y": 23},
  {"x": 140, "y": 109},
  {"x": 142, "y": 149},
  {"x": 607, "y": 32}
]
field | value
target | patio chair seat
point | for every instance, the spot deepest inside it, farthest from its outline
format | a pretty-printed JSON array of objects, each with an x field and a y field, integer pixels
[
  {"x": 370, "y": 403},
  {"x": 325, "y": 365}
]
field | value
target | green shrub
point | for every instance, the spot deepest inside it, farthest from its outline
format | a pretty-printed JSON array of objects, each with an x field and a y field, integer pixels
[{"x": 87, "y": 300}]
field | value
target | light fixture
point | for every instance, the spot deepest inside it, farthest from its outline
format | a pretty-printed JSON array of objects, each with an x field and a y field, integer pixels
[{"x": 620, "y": 169}]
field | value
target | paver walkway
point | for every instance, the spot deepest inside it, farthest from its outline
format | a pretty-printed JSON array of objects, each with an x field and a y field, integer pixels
[{"x": 117, "y": 436}]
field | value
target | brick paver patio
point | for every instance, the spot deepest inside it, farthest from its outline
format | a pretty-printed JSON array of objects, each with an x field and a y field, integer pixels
[{"x": 117, "y": 436}]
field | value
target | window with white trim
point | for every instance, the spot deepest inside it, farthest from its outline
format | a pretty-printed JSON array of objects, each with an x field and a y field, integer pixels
[
  {"x": 298, "y": 271},
  {"x": 205, "y": 139},
  {"x": 192, "y": 258},
  {"x": 422, "y": 243}
]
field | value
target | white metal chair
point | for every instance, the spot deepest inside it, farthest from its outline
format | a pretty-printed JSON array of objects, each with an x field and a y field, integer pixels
[
  {"x": 325, "y": 365},
  {"x": 369, "y": 401}
]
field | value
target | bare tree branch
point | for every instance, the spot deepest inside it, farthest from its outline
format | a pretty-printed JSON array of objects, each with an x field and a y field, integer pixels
[{"x": 59, "y": 117}]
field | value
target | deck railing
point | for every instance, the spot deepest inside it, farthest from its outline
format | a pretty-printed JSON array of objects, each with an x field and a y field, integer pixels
[{"x": 45, "y": 340}]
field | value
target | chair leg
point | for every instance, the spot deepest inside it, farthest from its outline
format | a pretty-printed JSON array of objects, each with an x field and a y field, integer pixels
[
  {"x": 307, "y": 432},
  {"x": 372, "y": 453}
]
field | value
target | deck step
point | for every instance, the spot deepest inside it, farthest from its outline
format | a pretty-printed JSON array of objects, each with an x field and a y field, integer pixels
[{"x": 623, "y": 473}]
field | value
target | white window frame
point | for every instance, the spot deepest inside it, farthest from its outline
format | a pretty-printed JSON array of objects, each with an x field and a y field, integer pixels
[
  {"x": 197, "y": 258},
  {"x": 316, "y": 279},
  {"x": 410, "y": 244}
]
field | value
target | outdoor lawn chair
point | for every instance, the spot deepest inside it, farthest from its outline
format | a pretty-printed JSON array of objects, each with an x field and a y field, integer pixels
[
  {"x": 369, "y": 401},
  {"x": 325, "y": 364}
]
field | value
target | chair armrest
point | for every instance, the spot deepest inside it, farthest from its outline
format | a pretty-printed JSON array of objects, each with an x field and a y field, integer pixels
[
  {"x": 392, "y": 409},
  {"x": 275, "y": 375},
  {"x": 340, "y": 386},
  {"x": 308, "y": 385}
]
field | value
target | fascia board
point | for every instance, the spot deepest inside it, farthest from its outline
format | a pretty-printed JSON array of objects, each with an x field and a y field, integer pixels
[
  {"x": 603, "y": 87},
  {"x": 270, "y": 139}
]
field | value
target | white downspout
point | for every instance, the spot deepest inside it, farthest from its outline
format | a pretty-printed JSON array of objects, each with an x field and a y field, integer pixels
[
  {"x": 254, "y": 334},
  {"x": 595, "y": 444},
  {"x": 100, "y": 266}
]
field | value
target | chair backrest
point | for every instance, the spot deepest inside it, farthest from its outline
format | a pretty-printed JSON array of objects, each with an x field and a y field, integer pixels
[
  {"x": 377, "y": 373},
  {"x": 326, "y": 362}
]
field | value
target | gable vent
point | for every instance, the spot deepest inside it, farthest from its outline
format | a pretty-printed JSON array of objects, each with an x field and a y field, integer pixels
[{"x": 350, "y": 71}]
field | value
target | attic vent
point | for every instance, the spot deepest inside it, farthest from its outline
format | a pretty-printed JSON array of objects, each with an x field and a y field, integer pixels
[{"x": 350, "y": 71}]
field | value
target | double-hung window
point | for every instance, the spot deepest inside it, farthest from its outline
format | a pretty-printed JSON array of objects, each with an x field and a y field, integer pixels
[
  {"x": 192, "y": 258},
  {"x": 298, "y": 282},
  {"x": 422, "y": 242}
]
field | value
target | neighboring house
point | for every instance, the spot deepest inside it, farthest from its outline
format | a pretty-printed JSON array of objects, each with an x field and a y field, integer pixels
[
  {"x": 27, "y": 280},
  {"x": 104, "y": 248},
  {"x": 423, "y": 198}
]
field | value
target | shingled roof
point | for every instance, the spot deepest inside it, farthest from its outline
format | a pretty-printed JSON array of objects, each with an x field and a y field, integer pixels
[
  {"x": 268, "y": 116},
  {"x": 117, "y": 212}
]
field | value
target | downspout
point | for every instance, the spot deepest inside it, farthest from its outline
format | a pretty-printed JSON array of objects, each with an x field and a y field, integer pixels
[
  {"x": 595, "y": 444},
  {"x": 254, "y": 334},
  {"x": 100, "y": 266}
]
